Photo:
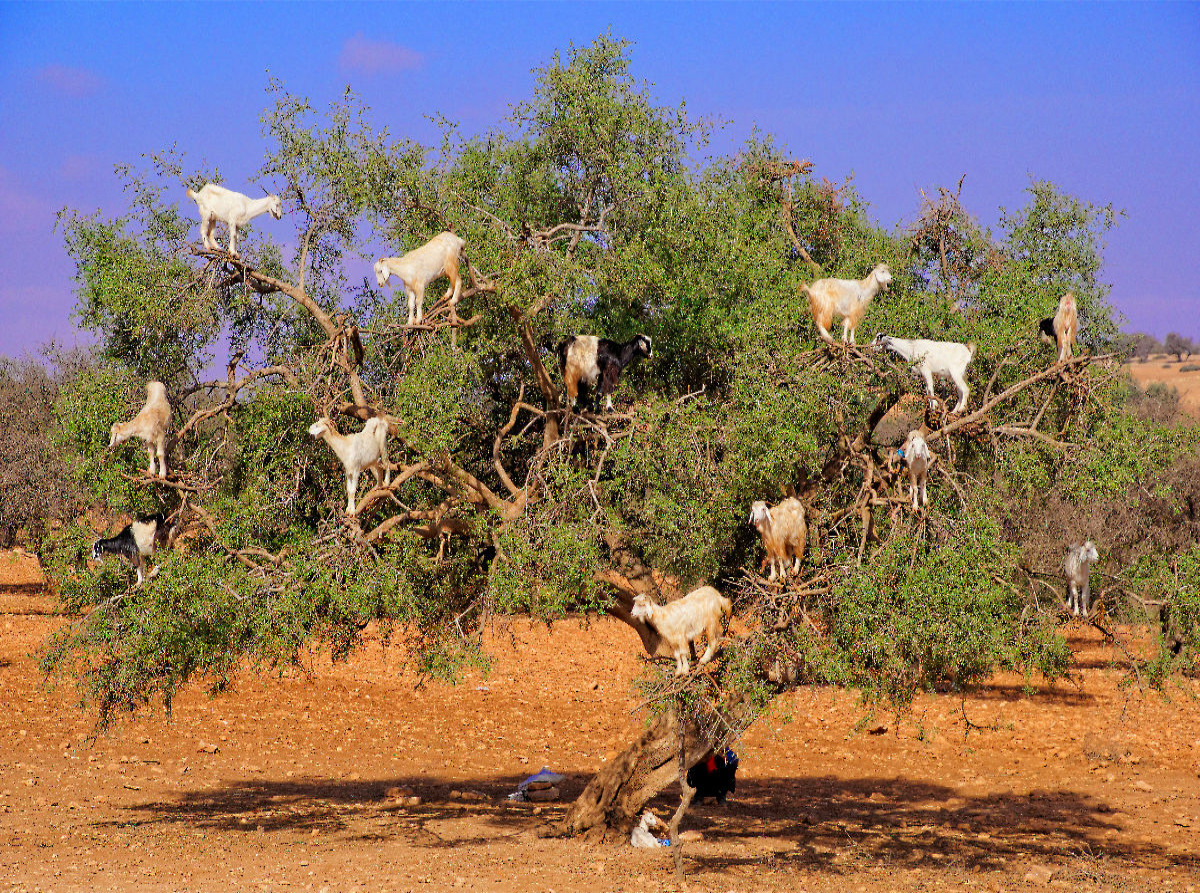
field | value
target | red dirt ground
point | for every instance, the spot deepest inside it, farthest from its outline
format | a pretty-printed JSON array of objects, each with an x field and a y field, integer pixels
[{"x": 1081, "y": 786}]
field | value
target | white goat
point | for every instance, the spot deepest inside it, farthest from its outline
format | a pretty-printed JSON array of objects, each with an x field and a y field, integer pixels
[
  {"x": 847, "y": 298},
  {"x": 365, "y": 450},
  {"x": 945, "y": 359},
  {"x": 784, "y": 534},
  {"x": 218, "y": 203},
  {"x": 1078, "y": 567},
  {"x": 415, "y": 270},
  {"x": 149, "y": 425},
  {"x": 916, "y": 456},
  {"x": 682, "y": 621}
]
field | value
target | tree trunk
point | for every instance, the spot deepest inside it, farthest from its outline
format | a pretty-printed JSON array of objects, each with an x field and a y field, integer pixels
[{"x": 618, "y": 793}]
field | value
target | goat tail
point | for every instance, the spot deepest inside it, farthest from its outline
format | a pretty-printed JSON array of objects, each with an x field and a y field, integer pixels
[
  {"x": 379, "y": 431},
  {"x": 972, "y": 347}
]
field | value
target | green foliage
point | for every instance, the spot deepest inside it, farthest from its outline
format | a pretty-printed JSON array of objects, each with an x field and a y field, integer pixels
[{"x": 917, "y": 616}]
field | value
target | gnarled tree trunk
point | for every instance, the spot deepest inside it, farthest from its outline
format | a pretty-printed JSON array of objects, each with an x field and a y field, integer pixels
[{"x": 617, "y": 794}]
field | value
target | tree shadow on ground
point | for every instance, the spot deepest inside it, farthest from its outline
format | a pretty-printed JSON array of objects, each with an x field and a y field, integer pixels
[
  {"x": 818, "y": 823},
  {"x": 373, "y": 810},
  {"x": 837, "y": 824}
]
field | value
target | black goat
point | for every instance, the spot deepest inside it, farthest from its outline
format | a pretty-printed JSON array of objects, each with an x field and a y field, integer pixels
[
  {"x": 584, "y": 359},
  {"x": 136, "y": 542},
  {"x": 714, "y": 775}
]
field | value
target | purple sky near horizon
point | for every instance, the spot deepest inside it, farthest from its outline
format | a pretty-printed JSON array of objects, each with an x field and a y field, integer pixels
[{"x": 1102, "y": 99}]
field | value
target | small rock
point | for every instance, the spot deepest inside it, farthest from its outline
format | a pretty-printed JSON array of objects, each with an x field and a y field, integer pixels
[
  {"x": 690, "y": 835},
  {"x": 1142, "y": 786},
  {"x": 207, "y": 748},
  {"x": 395, "y": 793},
  {"x": 551, "y": 793},
  {"x": 878, "y": 730},
  {"x": 1039, "y": 874},
  {"x": 412, "y": 801}
]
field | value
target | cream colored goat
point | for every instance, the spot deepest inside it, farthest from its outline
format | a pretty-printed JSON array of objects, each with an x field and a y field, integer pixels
[
  {"x": 149, "y": 425},
  {"x": 917, "y": 457},
  {"x": 218, "y": 203},
  {"x": 1062, "y": 329},
  {"x": 684, "y": 620},
  {"x": 365, "y": 450},
  {"x": 847, "y": 298},
  {"x": 784, "y": 534},
  {"x": 415, "y": 270}
]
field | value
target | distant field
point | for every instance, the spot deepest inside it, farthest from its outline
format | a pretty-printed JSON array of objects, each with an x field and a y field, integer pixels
[{"x": 1165, "y": 369}]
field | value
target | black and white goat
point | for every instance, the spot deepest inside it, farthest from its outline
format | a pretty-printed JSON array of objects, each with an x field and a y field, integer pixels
[
  {"x": 136, "y": 542},
  {"x": 584, "y": 359}
]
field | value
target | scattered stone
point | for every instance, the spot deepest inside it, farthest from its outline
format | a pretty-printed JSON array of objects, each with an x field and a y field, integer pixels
[
  {"x": 1142, "y": 786},
  {"x": 878, "y": 730},
  {"x": 395, "y": 793},
  {"x": 1039, "y": 874},
  {"x": 207, "y": 748}
]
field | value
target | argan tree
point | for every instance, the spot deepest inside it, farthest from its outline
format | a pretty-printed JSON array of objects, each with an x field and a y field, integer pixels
[{"x": 590, "y": 209}]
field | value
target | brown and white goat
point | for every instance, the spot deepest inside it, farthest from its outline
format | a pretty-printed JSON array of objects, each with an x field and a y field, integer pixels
[
  {"x": 421, "y": 266},
  {"x": 784, "y": 534},
  {"x": 847, "y": 298},
  {"x": 1062, "y": 329},
  {"x": 584, "y": 359},
  {"x": 218, "y": 203},
  {"x": 149, "y": 425},
  {"x": 684, "y": 620}
]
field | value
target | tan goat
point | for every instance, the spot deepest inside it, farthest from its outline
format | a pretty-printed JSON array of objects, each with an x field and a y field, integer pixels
[
  {"x": 684, "y": 620},
  {"x": 784, "y": 534},
  {"x": 149, "y": 425},
  {"x": 1062, "y": 329},
  {"x": 415, "y": 270},
  {"x": 847, "y": 298}
]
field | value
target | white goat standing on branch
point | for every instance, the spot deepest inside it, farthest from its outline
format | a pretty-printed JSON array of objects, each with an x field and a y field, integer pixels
[
  {"x": 682, "y": 621},
  {"x": 149, "y": 425},
  {"x": 415, "y": 270},
  {"x": 945, "y": 359},
  {"x": 784, "y": 534},
  {"x": 847, "y": 298},
  {"x": 218, "y": 203},
  {"x": 365, "y": 450}
]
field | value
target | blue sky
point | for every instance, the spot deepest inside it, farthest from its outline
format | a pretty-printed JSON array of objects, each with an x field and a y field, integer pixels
[{"x": 1103, "y": 99}]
